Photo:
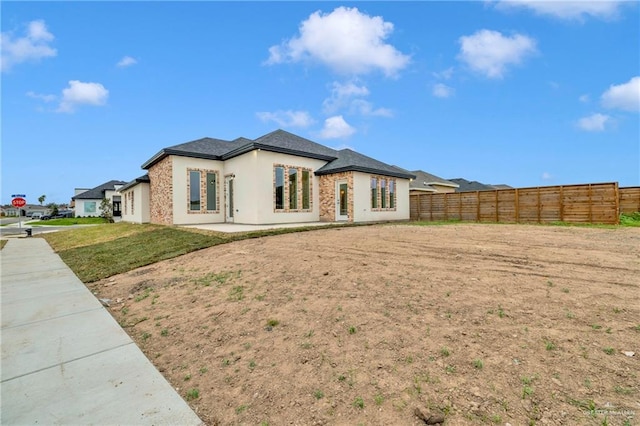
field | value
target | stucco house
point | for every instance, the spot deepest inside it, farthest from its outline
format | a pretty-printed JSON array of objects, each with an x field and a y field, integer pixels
[
  {"x": 277, "y": 178},
  {"x": 426, "y": 182},
  {"x": 87, "y": 201}
]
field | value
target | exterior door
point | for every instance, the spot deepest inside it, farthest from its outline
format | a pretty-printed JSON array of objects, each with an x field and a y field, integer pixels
[
  {"x": 342, "y": 201},
  {"x": 228, "y": 193}
]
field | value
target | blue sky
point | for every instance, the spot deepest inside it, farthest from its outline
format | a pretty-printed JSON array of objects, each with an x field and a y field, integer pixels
[{"x": 526, "y": 93}]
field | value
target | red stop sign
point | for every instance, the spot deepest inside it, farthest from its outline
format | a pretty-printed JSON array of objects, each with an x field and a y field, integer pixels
[{"x": 18, "y": 202}]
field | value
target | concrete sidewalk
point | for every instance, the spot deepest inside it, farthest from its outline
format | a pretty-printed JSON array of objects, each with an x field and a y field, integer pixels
[{"x": 65, "y": 360}]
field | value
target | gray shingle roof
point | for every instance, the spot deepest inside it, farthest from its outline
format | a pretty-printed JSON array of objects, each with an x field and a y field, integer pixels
[
  {"x": 467, "y": 186},
  {"x": 424, "y": 181},
  {"x": 136, "y": 181},
  {"x": 349, "y": 160},
  {"x": 282, "y": 142},
  {"x": 286, "y": 143},
  {"x": 97, "y": 193},
  {"x": 209, "y": 148}
]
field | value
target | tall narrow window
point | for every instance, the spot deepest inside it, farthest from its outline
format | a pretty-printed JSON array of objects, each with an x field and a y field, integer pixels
[
  {"x": 374, "y": 193},
  {"x": 194, "y": 190},
  {"x": 212, "y": 184},
  {"x": 279, "y": 188},
  {"x": 392, "y": 194},
  {"x": 383, "y": 193},
  {"x": 293, "y": 189},
  {"x": 306, "y": 189}
]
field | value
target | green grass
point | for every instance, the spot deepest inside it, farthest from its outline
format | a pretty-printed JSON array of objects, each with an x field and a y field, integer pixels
[
  {"x": 630, "y": 219},
  {"x": 100, "y": 251},
  {"x": 69, "y": 221}
]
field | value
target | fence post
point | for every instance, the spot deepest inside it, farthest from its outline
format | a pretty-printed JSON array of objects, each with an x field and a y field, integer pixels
[
  {"x": 590, "y": 206},
  {"x": 539, "y": 206},
  {"x": 497, "y": 211},
  {"x": 431, "y": 207},
  {"x": 517, "y": 205},
  {"x": 477, "y": 206},
  {"x": 561, "y": 204},
  {"x": 617, "y": 197}
]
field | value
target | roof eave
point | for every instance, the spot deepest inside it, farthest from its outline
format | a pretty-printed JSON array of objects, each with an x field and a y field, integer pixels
[
  {"x": 365, "y": 170},
  {"x": 255, "y": 146},
  {"x": 452, "y": 185},
  {"x": 168, "y": 151}
]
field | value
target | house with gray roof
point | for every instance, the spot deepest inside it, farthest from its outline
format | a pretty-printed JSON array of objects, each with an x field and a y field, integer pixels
[
  {"x": 87, "y": 200},
  {"x": 426, "y": 182},
  {"x": 277, "y": 178}
]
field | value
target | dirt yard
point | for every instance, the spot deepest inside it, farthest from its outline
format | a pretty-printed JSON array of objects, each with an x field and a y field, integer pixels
[{"x": 481, "y": 324}]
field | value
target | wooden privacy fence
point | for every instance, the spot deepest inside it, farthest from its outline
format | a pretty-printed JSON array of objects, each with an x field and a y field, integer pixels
[
  {"x": 588, "y": 203},
  {"x": 630, "y": 199}
]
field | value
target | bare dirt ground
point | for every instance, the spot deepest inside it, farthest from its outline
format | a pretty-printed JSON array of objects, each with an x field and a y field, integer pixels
[{"x": 481, "y": 324}]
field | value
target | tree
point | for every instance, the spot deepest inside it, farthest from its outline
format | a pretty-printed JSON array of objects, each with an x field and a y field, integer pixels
[
  {"x": 107, "y": 210},
  {"x": 54, "y": 209},
  {"x": 42, "y": 198}
]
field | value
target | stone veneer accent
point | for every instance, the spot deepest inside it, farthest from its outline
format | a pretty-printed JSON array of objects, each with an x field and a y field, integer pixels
[
  {"x": 161, "y": 192},
  {"x": 328, "y": 196}
]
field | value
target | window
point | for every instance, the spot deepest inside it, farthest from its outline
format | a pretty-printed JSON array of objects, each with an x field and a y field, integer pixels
[
  {"x": 90, "y": 207},
  {"x": 194, "y": 190},
  {"x": 293, "y": 189},
  {"x": 297, "y": 194},
  {"x": 212, "y": 183},
  {"x": 306, "y": 189},
  {"x": 279, "y": 188},
  {"x": 392, "y": 194},
  {"x": 383, "y": 193},
  {"x": 374, "y": 193}
]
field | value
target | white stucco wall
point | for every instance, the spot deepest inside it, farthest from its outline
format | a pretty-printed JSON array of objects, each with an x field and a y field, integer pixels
[
  {"x": 254, "y": 187},
  {"x": 362, "y": 200},
  {"x": 138, "y": 211},
  {"x": 181, "y": 214},
  {"x": 80, "y": 208}
]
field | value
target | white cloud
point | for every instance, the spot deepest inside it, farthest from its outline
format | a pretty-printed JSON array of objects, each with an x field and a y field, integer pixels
[
  {"x": 33, "y": 46},
  {"x": 444, "y": 75},
  {"x": 442, "y": 91},
  {"x": 80, "y": 93},
  {"x": 489, "y": 52},
  {"x": 349, "y": 96},
  {"x": 570, "y": 10},
  {"x": 624, "y": 96},
  {"x": 546, "y": 176},
  {"x": 594, "y": 122},
  {"x": 341, "y": 96},
  {"x": 42, "y": 97},
  {"x": 336, "y": 127},
  {"x": 345, "y": 40},
  {"x": 126, "y": 61},
  {"x": 362, "y": 107},
  {"x": 584, "y": 99},
  {"x": 287, "y": 118}
]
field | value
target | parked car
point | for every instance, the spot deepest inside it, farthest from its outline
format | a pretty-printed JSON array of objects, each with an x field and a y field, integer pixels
[{"x": 36, "y": 215}]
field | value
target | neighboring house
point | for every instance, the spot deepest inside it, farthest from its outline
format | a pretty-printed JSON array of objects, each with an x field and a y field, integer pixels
[
  {"x": 87, "y": 201},
  {"x": 469, "y": 186},
  {"x": 276, "y": 178},
  {"x": 135, "y": 200},
  {"x": 426, "y": 182}
]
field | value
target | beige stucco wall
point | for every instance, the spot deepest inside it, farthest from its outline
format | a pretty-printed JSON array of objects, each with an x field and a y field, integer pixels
[
  {"x": 362, "y": 211},
  {"x": 254, "y": 187},
  {"x": 180, "y": 194},
  {"x": 135, "y": 204}
]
